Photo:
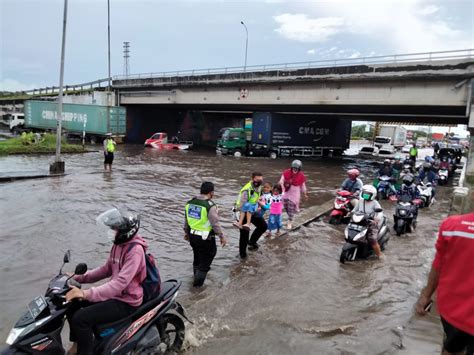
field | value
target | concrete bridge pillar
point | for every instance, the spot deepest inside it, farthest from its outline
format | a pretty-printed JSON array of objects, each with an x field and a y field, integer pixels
[
  {"x": 463, "y": 197},
  {"x": 470, "y": 157}
]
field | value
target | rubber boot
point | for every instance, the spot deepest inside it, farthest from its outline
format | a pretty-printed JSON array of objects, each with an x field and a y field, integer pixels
[{"x": 199, "y": 278}]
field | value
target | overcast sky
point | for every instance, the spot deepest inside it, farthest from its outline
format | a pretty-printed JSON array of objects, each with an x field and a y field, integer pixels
[{"x": 177, "y": 35}]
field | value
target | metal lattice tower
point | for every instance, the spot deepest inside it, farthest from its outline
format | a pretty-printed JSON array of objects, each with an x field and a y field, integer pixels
[{"x": 126, "y": 58}]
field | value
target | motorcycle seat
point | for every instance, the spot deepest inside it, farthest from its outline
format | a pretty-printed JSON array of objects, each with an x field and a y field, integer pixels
[{"x": 168, "y": 288}]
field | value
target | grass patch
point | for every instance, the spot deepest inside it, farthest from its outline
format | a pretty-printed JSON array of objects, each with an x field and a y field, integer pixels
[{"x": 47, "y": 145}]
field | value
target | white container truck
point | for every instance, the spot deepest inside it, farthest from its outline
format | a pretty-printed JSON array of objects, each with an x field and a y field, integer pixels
[{"x": 397, "y": 135}]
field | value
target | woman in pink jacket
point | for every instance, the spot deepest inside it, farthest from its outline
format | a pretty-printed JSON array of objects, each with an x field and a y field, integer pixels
[
  {"x": 293, "y": 182},
  {"x": 121, "y": 294}
]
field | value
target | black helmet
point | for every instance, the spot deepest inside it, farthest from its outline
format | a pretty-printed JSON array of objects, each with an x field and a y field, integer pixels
[
  {"x": 408, "y": 179},
  {"x": 123, "y": 224},
  {"x": 426, "y": 165},
  {"x": 386, "y": 162}
]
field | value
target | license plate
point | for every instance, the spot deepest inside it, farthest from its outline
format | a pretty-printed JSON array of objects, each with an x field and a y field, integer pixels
[{"x": 37, "y": 306}]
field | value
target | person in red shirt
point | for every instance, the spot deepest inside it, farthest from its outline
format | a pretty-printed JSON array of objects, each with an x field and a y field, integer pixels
[{"x": 452, "y": 277}]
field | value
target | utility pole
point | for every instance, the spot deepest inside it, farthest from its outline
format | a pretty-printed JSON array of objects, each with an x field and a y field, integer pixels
[
  {"x": 108, "y": 41},
  {"x": 376, "y": 132},
  {"x": 57, "y": 167}
]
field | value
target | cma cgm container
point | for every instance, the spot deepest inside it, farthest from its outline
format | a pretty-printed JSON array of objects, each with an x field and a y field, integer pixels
[
  {"x": 275, "y": 134},
  {"x": 93, "y": 119}
]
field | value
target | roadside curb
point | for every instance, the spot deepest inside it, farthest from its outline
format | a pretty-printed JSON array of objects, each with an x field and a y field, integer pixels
[
  {"x": 29, "y": 176},
  {"x": 310, "y": 215}
]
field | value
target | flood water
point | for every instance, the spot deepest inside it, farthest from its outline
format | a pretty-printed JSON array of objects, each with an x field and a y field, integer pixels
[{"x": 292, "y": 296}]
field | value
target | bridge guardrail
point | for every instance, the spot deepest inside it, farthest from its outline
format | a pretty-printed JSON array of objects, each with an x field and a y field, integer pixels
[
  {"x": 50, "y": 90},
  {"x": 374, "y": 60},
  {"x": 241, "y": 70}
]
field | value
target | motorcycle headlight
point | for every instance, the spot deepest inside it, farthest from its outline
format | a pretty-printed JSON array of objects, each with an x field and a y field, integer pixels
[
  {"x": 403, "y": 212},
  {"x": 346, "y": 233},
  {"x": 15, "y": 333}
]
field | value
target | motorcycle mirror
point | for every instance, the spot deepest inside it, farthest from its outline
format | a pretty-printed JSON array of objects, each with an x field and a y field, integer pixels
[
  {"x": 67, "y": 256},
  {"x": 81, "y": 269},
  {"x": 378, "y": 210}
]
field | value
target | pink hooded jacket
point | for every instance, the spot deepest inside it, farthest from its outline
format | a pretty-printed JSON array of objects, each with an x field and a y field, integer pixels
[{"x": 126, "y": 269}]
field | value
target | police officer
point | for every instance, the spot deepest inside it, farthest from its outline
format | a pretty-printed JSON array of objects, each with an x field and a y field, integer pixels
[
  {"x": 109, "y": 149},
  {"x": 201, "y": 227},
  {"x": 250, "y": 193}
]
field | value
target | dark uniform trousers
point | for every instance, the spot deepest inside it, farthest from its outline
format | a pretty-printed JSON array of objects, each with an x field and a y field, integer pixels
[
  {"x": 204, "y": 252},
  {"x": 261, "y": 227}
]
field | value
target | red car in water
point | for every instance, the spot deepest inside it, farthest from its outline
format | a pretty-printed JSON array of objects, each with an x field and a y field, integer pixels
[{"x": 159, "y": 140}]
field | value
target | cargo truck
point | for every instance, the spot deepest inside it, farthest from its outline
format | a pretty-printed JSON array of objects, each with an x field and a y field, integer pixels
[
  {"x": 93, "y": 120},
  {"x": 397, "y": 135},
  {"x": 287, "y": 135}
]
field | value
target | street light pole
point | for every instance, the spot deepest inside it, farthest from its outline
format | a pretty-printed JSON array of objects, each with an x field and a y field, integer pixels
[
  {"x": 246, "y": 44},
  {"x": 108, "y": 39},
  {"x": 58, "y": 166}
]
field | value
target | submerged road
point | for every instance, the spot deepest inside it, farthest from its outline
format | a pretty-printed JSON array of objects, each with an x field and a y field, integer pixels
[{"x": 292, "y": 296}]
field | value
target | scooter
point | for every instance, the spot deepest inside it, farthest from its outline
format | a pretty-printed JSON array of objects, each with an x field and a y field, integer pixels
[
  {"x": 342, "y": 207},
  {"x": 155, "y": 327},
  {"x": 383, "y": 188},
  {"x": 426, "y": 194},
  {"x": 406, "y": 211},
  {"x": 357, "y": 245},
  {"x": 443, "y": 176}
]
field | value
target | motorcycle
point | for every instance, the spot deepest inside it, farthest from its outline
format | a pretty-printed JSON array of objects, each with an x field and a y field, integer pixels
[
  {"x": 404, "y": 219},
  {"x": 383, "y": 188},
  {"x": 443, "y": 176},
  {"x": 426, "y": 194},
  {"x": 357, "y": 245},
  {"x": 156, "y": 326},
  {"x": 342, "y": 207}
]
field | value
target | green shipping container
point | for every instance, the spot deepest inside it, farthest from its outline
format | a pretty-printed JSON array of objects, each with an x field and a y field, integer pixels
[{"x": 44, "y": 114}]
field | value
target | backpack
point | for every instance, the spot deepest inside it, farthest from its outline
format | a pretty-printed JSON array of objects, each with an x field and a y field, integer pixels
[{"x": 152, "y": 283}]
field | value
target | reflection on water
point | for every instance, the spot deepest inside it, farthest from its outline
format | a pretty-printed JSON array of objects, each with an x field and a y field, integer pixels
[{"x": 292, "y": 296}]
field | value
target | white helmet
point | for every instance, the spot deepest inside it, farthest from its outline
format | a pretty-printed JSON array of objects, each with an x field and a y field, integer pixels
[
  {"x": 368, "y": 192},
  {"x": 296, "y": 164}
]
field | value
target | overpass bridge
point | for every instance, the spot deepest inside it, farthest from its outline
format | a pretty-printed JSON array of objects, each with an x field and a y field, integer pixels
[
  {"x": 422, "y": 88},
  {"x": 433, "y": 87}
]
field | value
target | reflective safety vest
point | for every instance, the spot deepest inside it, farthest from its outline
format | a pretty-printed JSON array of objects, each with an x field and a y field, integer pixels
[
  {"x": 413, "y": 152},
  {"x": 252, "y": 194},
  {"x": 110, "y": 146},
  {"x": 197, "y": 217}
]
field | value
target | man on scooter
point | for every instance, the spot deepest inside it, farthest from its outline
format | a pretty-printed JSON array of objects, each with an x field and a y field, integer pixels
[
  {"x": 122, "y": 294},
  {"x": 353, "y": 184},
  {"x": 426, "y": 171},
  {"x": 397, "y": 166},
  {"x": 387, "y": 170},
  {"x": 409, "y": 189},
  {"x": 368, "y": 205}
]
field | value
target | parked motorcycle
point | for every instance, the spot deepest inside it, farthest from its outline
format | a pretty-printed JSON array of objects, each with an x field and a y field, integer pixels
[
  {"x": 342, "y": 207},
  {"x": 155, "y": 327},
  {"x": 383, "y": 188},
  {"x": 426, "y": 194},
  {"x": 404, "y": 218},
  {"x": 357, "y": 245}
]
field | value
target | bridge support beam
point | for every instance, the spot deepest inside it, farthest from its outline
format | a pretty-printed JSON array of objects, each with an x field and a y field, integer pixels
[{"x": 463, "y": 198}]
